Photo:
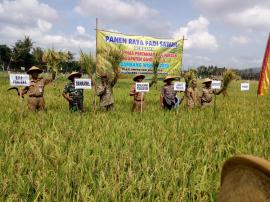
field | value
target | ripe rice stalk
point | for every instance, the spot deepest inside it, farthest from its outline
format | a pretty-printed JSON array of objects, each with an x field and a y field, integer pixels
[
  {"x": 228, "y": 76},
  {"x": 53, "y": 59},
  {"x": 189, "y": 76},
  {"x": 156, "y": 62},
  {"x": 111, "y": 59},
  {"x": 87, "y": 63}
]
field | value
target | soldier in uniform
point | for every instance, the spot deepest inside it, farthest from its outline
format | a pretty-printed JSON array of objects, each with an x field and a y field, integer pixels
[
  {"x": 208, "y": 93},
  {"x": 168, "y": 98},
  {"x": 192, "y": 95},
  {"x": 72, "y": 95},
  {"x": 105, "y": 92},
  {"x": 36, "y": 89},
  {"x": 137, "y": 101}
]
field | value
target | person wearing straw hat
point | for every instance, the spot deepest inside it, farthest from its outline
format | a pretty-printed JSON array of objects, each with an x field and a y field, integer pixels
[
  {"x": 138, "y": 100},
  {"x": 105, "y": 91},
  {"x": 36, "y": 89},
  {"x": 245, "y": 178},
  {"x": 192, "y": 95},
  {"x": 168, "y": 96},
  {"x": 207, "y": 93},
  {"x": 72, "y": 95}
]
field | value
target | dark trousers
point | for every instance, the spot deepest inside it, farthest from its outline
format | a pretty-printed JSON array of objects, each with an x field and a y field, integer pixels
[
  {"x": 167, "y": 106},
  {"x": 76, "y": 105}
]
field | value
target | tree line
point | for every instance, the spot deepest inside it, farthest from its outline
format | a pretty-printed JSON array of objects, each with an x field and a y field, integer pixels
[{"x": 23, "y": 54}]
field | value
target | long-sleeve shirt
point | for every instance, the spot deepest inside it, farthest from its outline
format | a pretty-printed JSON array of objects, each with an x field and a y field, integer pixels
[
  {"x": 193, "y": 98},
  {"x": 137, "y": 95},
  {"x": 168, "y": 94}
]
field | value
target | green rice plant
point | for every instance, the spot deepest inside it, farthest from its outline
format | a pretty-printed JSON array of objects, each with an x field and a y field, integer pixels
[{"x": 56, "y": 155}]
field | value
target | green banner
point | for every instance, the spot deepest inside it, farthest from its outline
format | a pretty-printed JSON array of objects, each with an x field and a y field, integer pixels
[{"x": 138, "y": 52}]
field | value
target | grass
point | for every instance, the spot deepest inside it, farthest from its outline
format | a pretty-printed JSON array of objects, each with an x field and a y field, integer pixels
[{"x": 56, "y": 155}]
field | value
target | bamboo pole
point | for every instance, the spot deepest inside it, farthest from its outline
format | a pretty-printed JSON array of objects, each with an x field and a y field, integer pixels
[{"x": 97, "y": 65}]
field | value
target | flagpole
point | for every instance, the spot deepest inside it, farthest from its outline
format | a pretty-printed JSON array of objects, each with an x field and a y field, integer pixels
[{"x": 97, "y": 63}]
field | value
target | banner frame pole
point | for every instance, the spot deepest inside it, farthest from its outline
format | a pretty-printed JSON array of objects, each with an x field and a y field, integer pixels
[
  {"x": 142, "y": 102},
  {"x": 94, "y": 77}
]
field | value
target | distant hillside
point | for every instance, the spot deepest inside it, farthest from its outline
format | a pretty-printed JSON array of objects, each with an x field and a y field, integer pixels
[{"x": 249, "y": 74}]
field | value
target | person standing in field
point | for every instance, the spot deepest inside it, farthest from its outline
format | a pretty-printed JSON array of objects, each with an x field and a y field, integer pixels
[
  {"x": 192, "y": 95},
  {"x": 168, "y": 99},
  {"x": 72, "y": 95},
  {"x": 105, "y": 91},
  {"x": 207, "y": 93},
  {"x": 138, "y": 100},
  {"x": 36, "y": 89}
]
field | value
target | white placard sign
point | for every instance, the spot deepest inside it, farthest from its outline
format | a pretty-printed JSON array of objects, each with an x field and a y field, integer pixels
[
  {"x": 142, "y": 87},
  {"x": 216, "y": 84},
  {"x": 19, "y": 80},
  {"x": 83, "y": 84},
  {"x": 179, "y": 86},
  {"x": 244, "y": 86}
]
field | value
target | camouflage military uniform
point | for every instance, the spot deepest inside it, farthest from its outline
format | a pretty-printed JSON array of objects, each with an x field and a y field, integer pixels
[
  {"x": 105, "y": 92},
  {"x": 137, "y": 102},
  {"x": 207, "y": 96},
  {"x": 193, "y": 98},
  {"x": 36, "y": 91},
  {"x": 76, "y": 95},
  {"x": 169, "y": 96}
]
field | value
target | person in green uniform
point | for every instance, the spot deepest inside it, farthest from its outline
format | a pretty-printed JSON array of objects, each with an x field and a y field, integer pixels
[{"x": 72, "y": 95}]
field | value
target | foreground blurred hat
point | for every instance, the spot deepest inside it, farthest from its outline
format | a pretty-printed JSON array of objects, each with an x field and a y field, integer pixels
[
  {"x": 136, "y": 77},
  {"x": 207, "y": 80},
  {"x": 167, "y": 78},
  {"x": 245, "y": 178},
  {"x": 34, "y": 69},
  {"x": 74, "y": 74}
]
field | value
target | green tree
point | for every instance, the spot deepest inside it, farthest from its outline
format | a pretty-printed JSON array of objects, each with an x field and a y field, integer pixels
[
  {"x": 5, "y": 56},
  {"x": 21, "y": 54}
]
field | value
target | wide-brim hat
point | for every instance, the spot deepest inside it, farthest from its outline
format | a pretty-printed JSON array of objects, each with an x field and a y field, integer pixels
[
  {"x": 167, "y": 78},
  {"x": 248, "y": 161},
  {"x": 74, "y": 74},
  {"x": 242, "y": 173},
  {"x": 136, "y": 77},
  {"x": 34, "y": 69},
  {"x": 207, "y": 80}
]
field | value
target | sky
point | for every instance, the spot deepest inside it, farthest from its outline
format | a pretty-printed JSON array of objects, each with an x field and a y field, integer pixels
[{"x": 226, "y": 33}]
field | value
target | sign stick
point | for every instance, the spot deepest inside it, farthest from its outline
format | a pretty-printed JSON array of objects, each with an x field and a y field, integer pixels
[
  {"x": 142, "y": 103},
  {"x": 21, "y": 102},
  {"x": 215, "y": 106}
]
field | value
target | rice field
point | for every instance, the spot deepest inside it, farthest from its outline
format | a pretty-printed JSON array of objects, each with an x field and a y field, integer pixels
[{"x": 56, "y": 155}]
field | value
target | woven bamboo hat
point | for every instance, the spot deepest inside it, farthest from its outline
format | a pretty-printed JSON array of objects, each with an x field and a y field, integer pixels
[
  {"x": 74, "y": 74},
  {"x": 34, "y": 69},
  {"x": 136, "y": 77},
  {"x": 207, "y": 80},
  {"x": 245, "y": 178},
  {"x": 169, "y": 78}
]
